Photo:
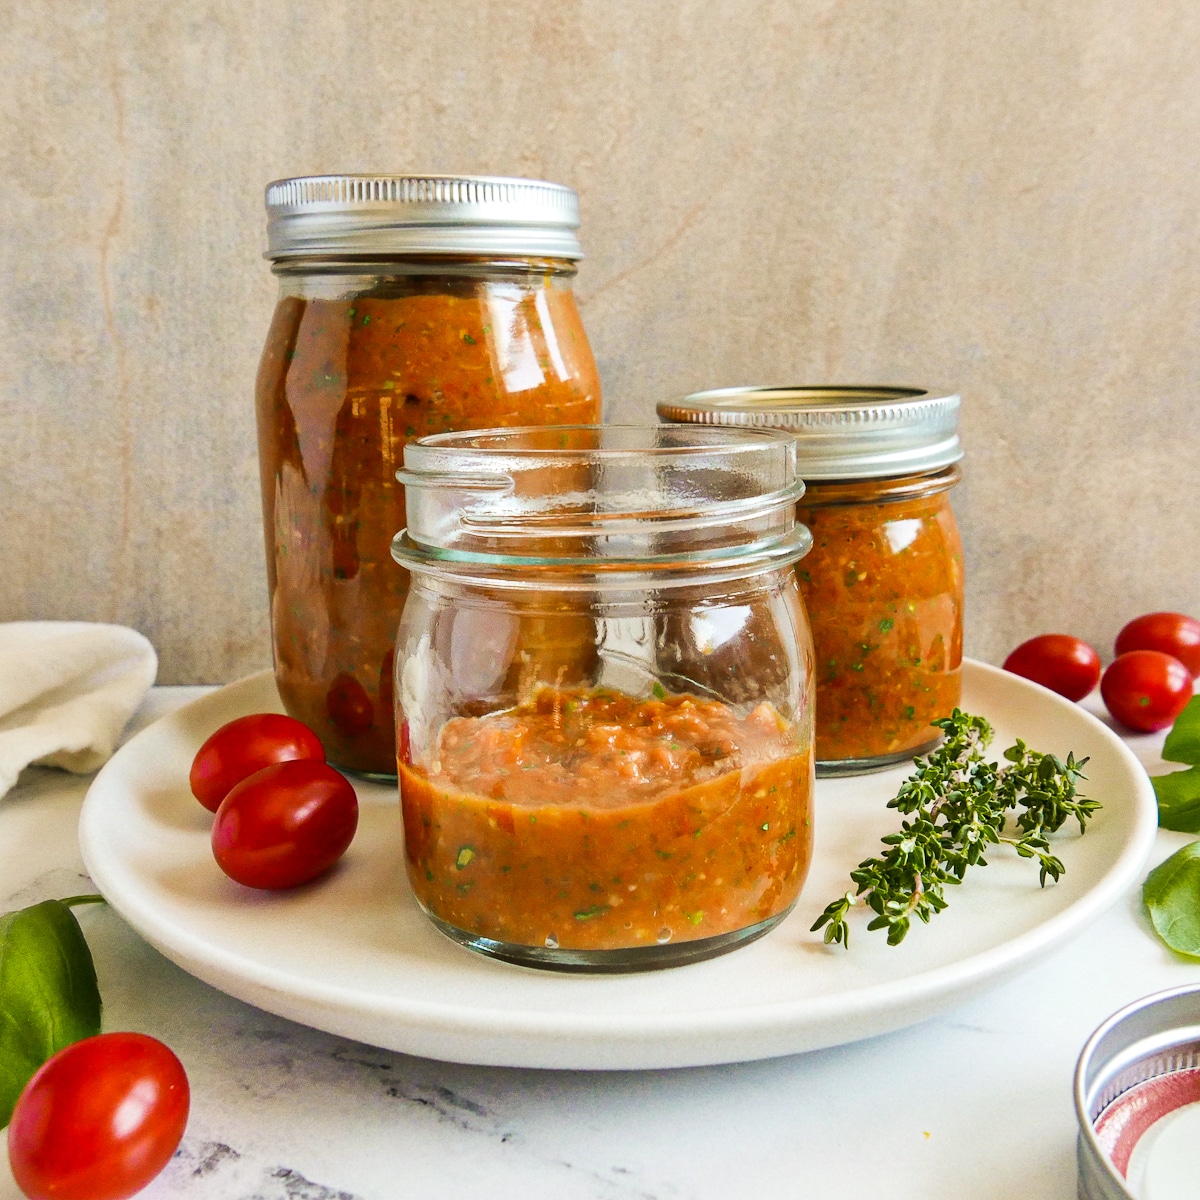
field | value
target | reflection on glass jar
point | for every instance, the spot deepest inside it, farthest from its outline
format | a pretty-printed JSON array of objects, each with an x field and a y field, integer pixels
[
  {"x": 397, "y": 318},
  {"x": 883, "y": 585},
  {"x": 644, "y": 800}
]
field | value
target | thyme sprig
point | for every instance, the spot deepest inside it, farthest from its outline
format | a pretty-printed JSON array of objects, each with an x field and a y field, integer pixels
[{"x": 955, "y": 805}]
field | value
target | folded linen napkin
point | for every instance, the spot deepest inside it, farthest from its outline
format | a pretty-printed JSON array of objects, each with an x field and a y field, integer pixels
[{"x": 67, "y": 689}]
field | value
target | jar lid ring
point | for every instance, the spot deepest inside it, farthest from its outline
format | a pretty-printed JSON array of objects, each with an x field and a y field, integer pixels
[
  {"x": 865, "y": 431},
  {"x": 419, "y": 214}
]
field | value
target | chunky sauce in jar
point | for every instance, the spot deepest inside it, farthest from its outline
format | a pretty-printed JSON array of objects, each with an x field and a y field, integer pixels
[
  {"x": 883, "y": 586},
  {"x": 343, "y": 385},
  {"x": 594, "y": 820}
]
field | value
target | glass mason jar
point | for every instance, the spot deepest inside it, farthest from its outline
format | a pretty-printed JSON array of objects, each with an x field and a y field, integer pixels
[
  {"x": 407, "y": 306},
  {"x": 645, "y": 800},
  {"x": 884, "y": 582}
]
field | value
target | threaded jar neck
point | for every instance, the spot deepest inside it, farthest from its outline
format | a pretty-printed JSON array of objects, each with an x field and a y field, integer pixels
[{"x": 573, "y": 506}]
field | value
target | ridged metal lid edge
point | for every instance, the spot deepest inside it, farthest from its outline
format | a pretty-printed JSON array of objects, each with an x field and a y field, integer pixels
[
  {"x": 843, "y": 431},
  {"x": 421, "y": 214},
  {"x": 1152, "y": 1037}
]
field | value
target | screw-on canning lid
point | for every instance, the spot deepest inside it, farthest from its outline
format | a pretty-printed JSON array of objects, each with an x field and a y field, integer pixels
[
  {"x": 868, "y": 432},
  {"x": 421, "y": 214},
  {"x": 1139, "y": 1066}
]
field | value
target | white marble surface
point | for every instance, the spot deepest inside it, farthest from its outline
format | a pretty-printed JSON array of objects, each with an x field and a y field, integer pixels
[{"x": 973, "y": 1104}]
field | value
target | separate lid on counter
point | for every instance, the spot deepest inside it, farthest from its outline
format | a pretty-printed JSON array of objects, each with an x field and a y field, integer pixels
[
  {"x": 1137, "y": 1100},
  {"x": 421, "y": 214},
  {"x": 842, "y": 431}
]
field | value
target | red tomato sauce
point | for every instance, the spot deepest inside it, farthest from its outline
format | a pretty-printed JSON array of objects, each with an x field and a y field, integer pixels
[
  {"x": 592, "y": 820},
  {"x": 343, "y": 385},
  {"x": 883, "y": 586}
]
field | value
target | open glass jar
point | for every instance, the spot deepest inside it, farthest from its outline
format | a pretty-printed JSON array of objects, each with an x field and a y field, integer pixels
[
  {"x": 408, "y": 305},
  {"x": 603, "y": 684},
  {"x": 884, "y": 582}
]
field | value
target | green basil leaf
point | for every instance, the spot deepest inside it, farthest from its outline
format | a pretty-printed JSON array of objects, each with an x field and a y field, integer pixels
[
  {"x": 48, "y": 993},
  {"x": 1172, "y": 897},
  {"x": 1178, "y": 800},
  {"x": 1183, "y": 742}
]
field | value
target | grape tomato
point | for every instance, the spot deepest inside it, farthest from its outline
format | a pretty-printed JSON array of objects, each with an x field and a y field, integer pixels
[
  {"x": 243, "y": 746},
  {"x": 99, "y": 1120},
  {"x": 285, "y": 825},
  {"x": 1066, "y": 665},
  {"x": 1168, "y": 632},
  {"x": 1146, "y": 689}
]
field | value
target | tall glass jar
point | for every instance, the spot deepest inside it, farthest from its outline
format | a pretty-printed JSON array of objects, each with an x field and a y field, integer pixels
[
  {"x": 884, "y": 582},
  {"x": 407, "y": 306},
  {"x": 647, "y": 801}
]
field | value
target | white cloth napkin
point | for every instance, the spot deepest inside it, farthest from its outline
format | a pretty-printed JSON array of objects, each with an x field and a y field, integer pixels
[{"x": 67, "y": 689}]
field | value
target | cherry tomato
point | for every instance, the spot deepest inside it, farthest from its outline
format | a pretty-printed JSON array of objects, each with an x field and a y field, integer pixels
[
  {"x": 1172, "y": 633},
  {"x": 1146, "y": 689},
  {"x": 349, "y": 707},
  {"x": 247, "y": 745},
  {"x": 285, "y": 825},
  {"x": 99, "y": 1120},
  {"x": 1058, "y": 661}
]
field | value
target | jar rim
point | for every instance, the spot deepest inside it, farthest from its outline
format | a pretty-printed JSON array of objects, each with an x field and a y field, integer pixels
[
  {"x": 601, "y": 502},
  {"x": 628, "y": 440}
]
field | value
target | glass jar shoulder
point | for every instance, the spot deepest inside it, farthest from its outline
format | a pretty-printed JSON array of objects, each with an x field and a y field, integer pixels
[
  {"x": 738, "y": 642},
  {"x": 906, "y": 547},
  {"x": 460, "y": 352}
]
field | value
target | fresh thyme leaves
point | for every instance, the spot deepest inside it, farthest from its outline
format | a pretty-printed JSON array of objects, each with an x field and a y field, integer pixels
[{"x": 955, "y": 804}]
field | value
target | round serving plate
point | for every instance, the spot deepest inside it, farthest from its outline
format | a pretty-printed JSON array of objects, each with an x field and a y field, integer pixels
[{"x": 353, "y": 955}]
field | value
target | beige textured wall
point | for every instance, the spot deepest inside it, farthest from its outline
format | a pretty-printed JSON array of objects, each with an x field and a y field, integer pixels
[{"x": 997, "y": 195}]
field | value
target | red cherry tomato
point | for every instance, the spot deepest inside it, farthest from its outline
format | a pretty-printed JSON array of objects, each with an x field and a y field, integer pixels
[
  {"x": 1171, "y": 633},
  {"x": 285, "y": 825},
  {"x": 247, "y": 745},
  {"x": 349, "y": 707},
  {"x": 1058, "y": 661},
  {"x": 99, "y": 1120},
  {"x": 1146, "y": 689}
]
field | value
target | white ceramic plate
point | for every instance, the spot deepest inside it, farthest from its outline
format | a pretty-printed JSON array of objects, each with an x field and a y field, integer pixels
[{"x": 352, "y": 954}]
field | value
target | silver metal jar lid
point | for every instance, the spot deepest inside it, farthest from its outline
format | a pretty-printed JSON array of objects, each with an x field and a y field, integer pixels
[
  {"x": 421, "y": 214},
  {"x": 1140, "y": 1065},
  {"x": 843, "y": 432}
]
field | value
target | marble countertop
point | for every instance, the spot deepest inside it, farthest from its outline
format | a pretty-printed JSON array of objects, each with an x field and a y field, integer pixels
[{"x": 974, "y": 1103}]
